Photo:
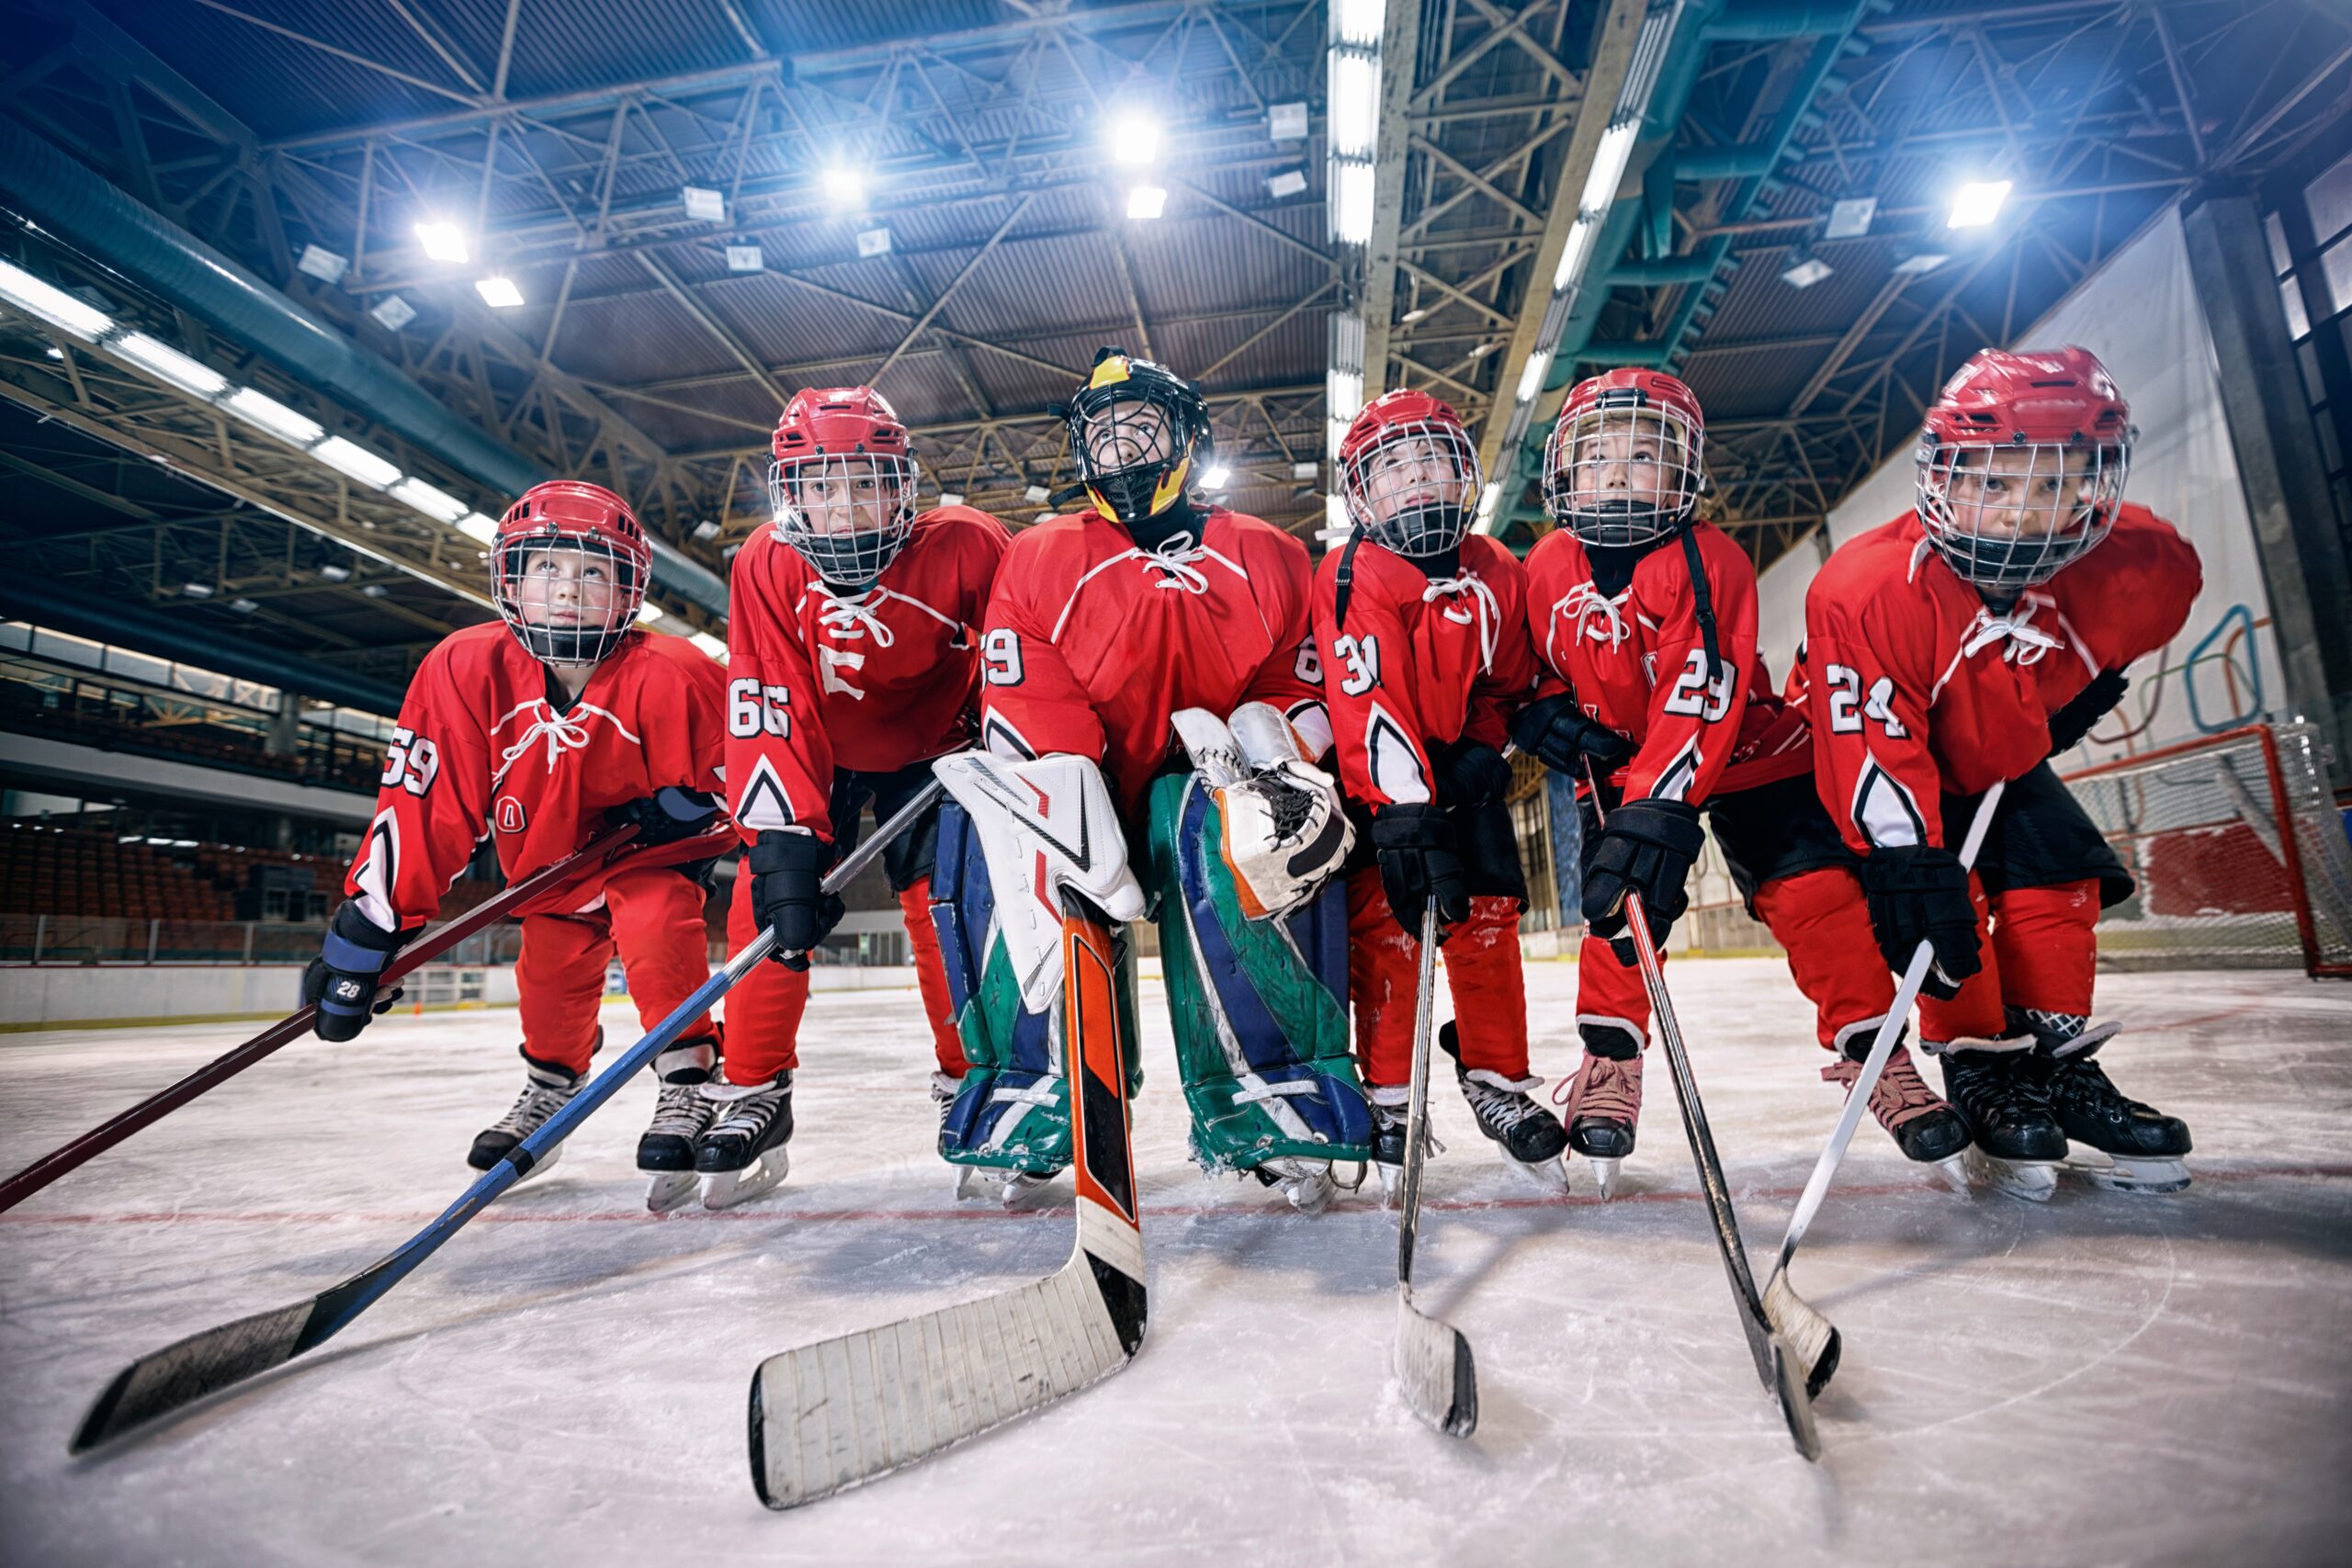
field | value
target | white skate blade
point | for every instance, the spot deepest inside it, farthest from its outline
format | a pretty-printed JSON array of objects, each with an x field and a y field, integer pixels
[
  {"x": 726, "y": 1188},
  {"x": 1604, "y": 1173},
  {"x": 1310, "y": 1194},
  {"x": 1549, "y": 1176},
  {"x": 1024, "y": 1191},
  {"x": 1953, "y": 1170},
  {"x": 1392, "y": 1177},
  {"x": 2125, "y": 1173},
  {"x": 669, "y": 1189},
  {"x": 2032, "y": 1180}
]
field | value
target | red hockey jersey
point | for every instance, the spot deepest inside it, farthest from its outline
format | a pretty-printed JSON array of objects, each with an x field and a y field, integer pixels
[
  {"x": 482, "y": 742},
  {"x": 1093, "y": 643},
  {"x": 871, "y": 681},
  {"x": 1421, "y": 662},
  {"x": 1919, "y": 690},
  {"x": 1637, "y": 663}
]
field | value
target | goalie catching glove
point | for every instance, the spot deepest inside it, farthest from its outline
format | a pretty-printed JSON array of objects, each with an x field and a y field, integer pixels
[{"x": 1282, "y": 831}]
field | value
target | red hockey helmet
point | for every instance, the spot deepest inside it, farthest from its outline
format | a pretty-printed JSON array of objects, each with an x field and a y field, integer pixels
[
  {"x": 1625, "y": 462},
  {"x": 2021, "y": 465},
  {"x": 568, "y": 566},
  {"x": 843, "y": 485},
  {"x": 1408, "y": 475}
]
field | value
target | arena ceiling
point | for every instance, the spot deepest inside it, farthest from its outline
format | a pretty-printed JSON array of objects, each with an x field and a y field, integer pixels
[{"x": 990, "y": 253}]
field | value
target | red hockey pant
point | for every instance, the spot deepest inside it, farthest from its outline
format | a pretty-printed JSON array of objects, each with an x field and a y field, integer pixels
[
  {"x": 2042, "y": 954},
  {"x": 1482, "y": 970},
  {"x": 654, "y": 916},
  {"x": 765, "y": 1009},
  {"x": 1819, "y": 916}
]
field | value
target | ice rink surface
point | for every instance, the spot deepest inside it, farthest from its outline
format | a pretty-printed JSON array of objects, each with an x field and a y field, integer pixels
[{"x": 2107, "y": 1379}]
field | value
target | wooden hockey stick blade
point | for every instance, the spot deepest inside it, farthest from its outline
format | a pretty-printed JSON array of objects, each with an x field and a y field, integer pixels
[
  {"x": 1811, "y": 1337},
  {"x": 1435, "y": 1369},
  {"x": 831, "y": 1415}
]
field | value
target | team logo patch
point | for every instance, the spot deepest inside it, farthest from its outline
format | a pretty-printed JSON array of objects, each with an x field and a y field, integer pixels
[{"x": 510, "y": 817}]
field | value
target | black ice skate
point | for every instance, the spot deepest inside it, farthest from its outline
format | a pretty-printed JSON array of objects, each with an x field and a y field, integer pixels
[
  {"x": 2018, "y": 1143},
  {"x": 681, "y": 1113},
  {"x": 742, "y": 1155},
  {"x": 2119, "y": 1143},
  {"x": 1531, "y": 1141},
  {"x": 1924, "y": 1125},
  {"x": 1605, "y": 1100},
  {"x": 1391, "y": 1105},
  {"x": 548, "y": 1089}
]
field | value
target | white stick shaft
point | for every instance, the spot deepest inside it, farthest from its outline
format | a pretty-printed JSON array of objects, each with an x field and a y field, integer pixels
[
  {"x": 1409, "y": 1208},
  {"x": 1890, "y": 1030}
]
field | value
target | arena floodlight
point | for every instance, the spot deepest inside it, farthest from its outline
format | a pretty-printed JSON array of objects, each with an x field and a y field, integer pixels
[
  {"x": 649, "y": 612},
  {"x": 1530, "y": 380},
  {"x": 1146, "y": 201},
  {"x": 1217, "y": 477},
  {"x": 1355, "y": 104},
  {"x": 51, "y": 304},
  {"x": 443, "y": 242},
  {"x": 1036, "y": 494},
  {"x": 1978, "y": 203},
  {"x": 1358, "y": 22},
  {"x": 438, "y": 504},
  {"x": 499, "y": 293},
  {"x": 268, "y": 413},
  {"x": 709, "y": 645},
  {"x": 169, "y": 365},
  {"x": 355, "y": 461},
  {"x": 1805, "y": 271},
  {"x": 844, "y": 183},
  {"x": 1134, "y": 138},
  {"x": 477, "y": 527}
]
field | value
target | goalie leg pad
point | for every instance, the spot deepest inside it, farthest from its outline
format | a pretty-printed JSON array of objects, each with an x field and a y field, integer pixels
[
  {"x": 1011, "y": 1111},
  {"x": 1258, "y": 1006}
]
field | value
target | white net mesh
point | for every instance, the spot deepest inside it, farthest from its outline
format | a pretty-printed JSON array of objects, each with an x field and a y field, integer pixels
[{"x": 2238, "y": 850}]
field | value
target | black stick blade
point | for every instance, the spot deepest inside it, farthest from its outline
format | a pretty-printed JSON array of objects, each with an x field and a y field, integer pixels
[
  {"x": 201, "y": 1364},
  {"x": 1796, "y": 1405},
  {"x": 1435, "y": 1371}
]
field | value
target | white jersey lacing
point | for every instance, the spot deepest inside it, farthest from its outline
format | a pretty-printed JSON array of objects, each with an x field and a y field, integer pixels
[
  {"x": 1596, "y": 615},
  {"x": 849, "y": 616},
  {"x": 562, "y": 732},
  {"x": 1174, "y": 560},
  {"x": 1490, "y": 614}
]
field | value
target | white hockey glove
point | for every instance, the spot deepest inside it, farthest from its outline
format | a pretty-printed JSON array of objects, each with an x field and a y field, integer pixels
[
  {"x": 1283, "y": 829},
  {"x": 1046, "y": 827}
]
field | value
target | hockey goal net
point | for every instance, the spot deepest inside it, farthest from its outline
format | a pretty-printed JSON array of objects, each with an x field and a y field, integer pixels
[{"x": 2238, "y": 848}]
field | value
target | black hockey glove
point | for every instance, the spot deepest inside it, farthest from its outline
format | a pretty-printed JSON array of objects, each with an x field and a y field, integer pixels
[
  {"x": 1551, "y": 730},
  {"x": 787, "y": 893},
  {"x": 1646, "y": 847},
  {"x": 1470, "y": 775},
  {"x": 1919, "y": 893},
  {"x": 2093, "y": 703},
  {"x": 668, "y": 815},
  {"x": 341, "y": 981},
  {"x": 1418, "y": 865}
]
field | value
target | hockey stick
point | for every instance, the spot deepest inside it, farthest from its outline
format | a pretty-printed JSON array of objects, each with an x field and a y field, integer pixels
[
  {"x": 1433, "y": 1363},
  {"x": 218, "y": 1071},
  {"x": 1776, "y": 1361},
  {"x": 1813, "y": 1336},
  {"x": 831, "y": 1415},
  {"x": 203, "y": 1364}
]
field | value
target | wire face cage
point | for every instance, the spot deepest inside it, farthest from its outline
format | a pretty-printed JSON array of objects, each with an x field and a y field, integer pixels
[
  {"x": 1136, "y": 429},
  {"x": 1622, "y": 471},
  {"x": 848, "y": 515},
  {"x": 1415, "y": 488},
  {"x": 569, "y": 568},
  {"x": 2007, "y": 515}
]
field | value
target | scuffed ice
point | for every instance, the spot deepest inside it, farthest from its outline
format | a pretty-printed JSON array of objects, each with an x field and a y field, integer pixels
[{"x": 2102, "y": 1379}]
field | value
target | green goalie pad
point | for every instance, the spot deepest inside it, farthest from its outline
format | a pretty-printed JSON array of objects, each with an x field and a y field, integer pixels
[
  {"x": 1011, "y": 1111},
  {"x": 1258, "y": 1007}
]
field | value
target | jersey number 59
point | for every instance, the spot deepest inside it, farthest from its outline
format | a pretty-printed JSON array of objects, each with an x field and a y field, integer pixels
[
  {"x": 410, "y": 761},
  {"x": 1000, "y": 657}
]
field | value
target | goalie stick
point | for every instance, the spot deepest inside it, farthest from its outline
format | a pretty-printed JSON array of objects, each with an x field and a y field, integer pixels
[
  {"x": 837, "y": 1413},
  {"x": 203, "y": 1364},
  {"x": 1778, "y": 1364},
  {"x": 221, "y": 1069},
  {"x": 1813, "y": 1336},
  {"x": 1435, "y": 1367}
]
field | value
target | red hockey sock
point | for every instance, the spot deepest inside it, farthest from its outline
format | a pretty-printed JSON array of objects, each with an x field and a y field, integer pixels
[
  {"x": 559, "y": 985},
  {"x": 1384, "y": 967},
  {"x": 656, "y": 924},
  {"x": 1482, "y": 969},
  {"x": 931, "y": 977},
  {"x": 1975, "y": 1013},
  {"x": 1610, "y": 990},
  {"x": 1822, "y": 918},
  {"x": 763, "y": 1010},
  {"x": 2048, "y": 947}
]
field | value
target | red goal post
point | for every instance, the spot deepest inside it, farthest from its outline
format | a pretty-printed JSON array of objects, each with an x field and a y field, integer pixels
[{"x": 2238, "y": 850}]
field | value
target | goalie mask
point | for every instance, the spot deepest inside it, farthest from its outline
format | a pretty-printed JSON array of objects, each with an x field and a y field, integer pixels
[
  {"x": 569, "y": 568},
  {"x": 2021, "y": 465},
  {"x": 1408, "y": 475},
  {"x": 1134, "y": 431},
  {"x": 1625, "y": 464},
  {"x": 843, "y": 485}
]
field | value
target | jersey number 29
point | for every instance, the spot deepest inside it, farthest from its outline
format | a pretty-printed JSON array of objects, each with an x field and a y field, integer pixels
[{"x": 1695, "y": 695}]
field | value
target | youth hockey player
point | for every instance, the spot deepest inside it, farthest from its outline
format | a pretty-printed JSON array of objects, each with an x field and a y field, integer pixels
[
  {"x": 1107, "y": 624},
  {"x": 853, "y": 660},
  {"x": 1966, "y": 642},
  {"x": 541, "y": 726},
  {"x": 1423, "y": 629},
  {"x": 1646, "y": 621}
]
